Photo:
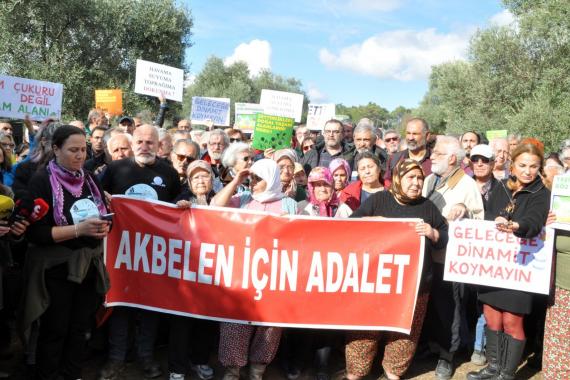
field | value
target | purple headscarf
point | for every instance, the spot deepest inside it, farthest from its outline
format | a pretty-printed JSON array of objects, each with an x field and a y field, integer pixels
[
  {"x": 326, "y": 208},
  {"x": 338, "y": 163}
]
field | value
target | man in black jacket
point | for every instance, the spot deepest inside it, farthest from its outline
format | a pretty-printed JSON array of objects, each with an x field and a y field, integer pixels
[{"x": 333, "y": 148}]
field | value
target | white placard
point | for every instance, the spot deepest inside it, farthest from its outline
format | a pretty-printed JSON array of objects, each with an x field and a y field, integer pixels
[
  {"x": 38, "y": 99},
  {"x": 215, "y": 110},
  {"x": 319, "y": 114},
  {"x": 560, "y": 201},
  {"x": 154, "y": 79},
  {"x": 280, "y": 103},
  {"x": 478, "y": 253}
]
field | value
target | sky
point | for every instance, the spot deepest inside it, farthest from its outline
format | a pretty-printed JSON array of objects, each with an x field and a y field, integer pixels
[{"x": 350, "y": 52}]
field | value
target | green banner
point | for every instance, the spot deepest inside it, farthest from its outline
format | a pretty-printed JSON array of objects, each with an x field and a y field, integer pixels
[{"x": 272, "y": 132}]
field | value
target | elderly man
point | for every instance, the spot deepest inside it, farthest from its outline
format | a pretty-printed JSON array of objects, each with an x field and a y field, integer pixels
[
  {"x": 417, "y": 133},
  {"x": 392, "y": 141},
  {"x": 183, "y": 153},
  {"x": 142, "y": 176},
  {"x": 501, "y": 151},
  {"x": 334, "y": 147},
  {"x": 365, "y": 140},
  {"x": 164, "y": 144},
  {"x": 514, "y": 139},
  {"x": 184, "y": 125},
  {"x": 218, "y": 141},
  {"x": 119, "y": 146},
  {"x": 457, "y": 196}
]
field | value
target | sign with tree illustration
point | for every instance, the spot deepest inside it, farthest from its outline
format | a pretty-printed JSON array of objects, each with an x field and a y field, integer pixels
[{"x": 272, "y": 132}]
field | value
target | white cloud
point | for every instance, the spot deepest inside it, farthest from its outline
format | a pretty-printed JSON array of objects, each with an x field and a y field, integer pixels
[
  {"x": 374, "y": 5},
  {"x": 315, "y": 95},
  {"x": 504, "y": 18},
  {"x": 189, "y": 79},
  {"x": 400, "y": 54},
  {"x": 256, "y": 54}
]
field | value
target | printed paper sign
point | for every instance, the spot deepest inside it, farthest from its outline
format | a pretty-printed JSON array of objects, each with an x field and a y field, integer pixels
[
  {"x": 496, "y": 134},
  {"x": 110, "y": 101},
  {"x": 216, "y": 110},
  {"x": 263, "y": 269},
  {"x": 280, "y": 103},
  {"x": 272, "y": 132},
  {"x": 155, "y": 79},
  {"x": 318, "y": 115},
  {"x": 245, "y": 115},
  {"x": 478, "y": 253},
  {"x": 560, "y": 201},
  {"x": 38, "y": 99}
]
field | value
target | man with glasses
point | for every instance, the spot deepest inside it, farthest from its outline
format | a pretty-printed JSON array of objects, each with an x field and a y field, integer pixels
[
  {"x": 334, "y": 147},
  {"x": 218, "y": 141},
  {"x": 392, "y": 141},
  {"x": 183, "y": 153}
]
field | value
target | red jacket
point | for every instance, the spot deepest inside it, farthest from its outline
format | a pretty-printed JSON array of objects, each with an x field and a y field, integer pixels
[{"x": 351, "y": 195}]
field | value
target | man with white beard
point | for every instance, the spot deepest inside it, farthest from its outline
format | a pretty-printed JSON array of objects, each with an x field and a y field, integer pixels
[
  {"x": 457, "y": 196},
  {"x": 218, "y": 141}
]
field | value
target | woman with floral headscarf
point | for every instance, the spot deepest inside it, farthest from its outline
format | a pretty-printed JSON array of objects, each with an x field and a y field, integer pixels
[
  {"x": 323, "y": 200},
  {"x": 402, "y": 200},
  {"x": 340, "y": 170}
]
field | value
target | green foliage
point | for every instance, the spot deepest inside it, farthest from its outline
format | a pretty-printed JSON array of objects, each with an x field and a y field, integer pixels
[
  {"x": 235, "y": 82},
  {"x": 516, "y": 78},
  {"x": 88, "y": 45}
]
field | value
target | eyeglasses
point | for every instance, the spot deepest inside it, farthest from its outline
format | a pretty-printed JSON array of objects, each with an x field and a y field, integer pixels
[
  {"x": 390, "y": 139},
  {"x": 8, "y": 146},
  {"x": 235, "y": 140},
  {"x": 475, "y": 159},
  {"x": 329, "y": 132},
  {"x": 182, "y": 157},
  {"x": 201, "y": 177},
  {"x": 246, "y": 159}
]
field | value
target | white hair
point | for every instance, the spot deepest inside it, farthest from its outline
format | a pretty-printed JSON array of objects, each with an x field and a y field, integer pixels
[
  {"x": 229, "y": 156},
  {"x": 452, "y": 147},
  {"x": 115, "y": 137}
]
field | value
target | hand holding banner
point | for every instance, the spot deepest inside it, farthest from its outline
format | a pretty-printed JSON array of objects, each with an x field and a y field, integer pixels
[{"x": 260, "y": 273}]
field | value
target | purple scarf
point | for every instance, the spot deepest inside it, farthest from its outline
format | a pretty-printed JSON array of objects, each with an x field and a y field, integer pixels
[{"x": 60, "y": 178}]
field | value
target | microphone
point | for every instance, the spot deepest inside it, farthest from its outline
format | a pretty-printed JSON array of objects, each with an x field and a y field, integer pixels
[
  {"x": 6, "y": 206},
  {"x": 29, "y": 210}
]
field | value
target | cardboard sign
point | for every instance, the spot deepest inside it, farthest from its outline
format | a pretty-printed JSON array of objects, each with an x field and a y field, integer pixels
[
  {"x": 245, "y": 116},
  {"x": 155, "y": 79},
  {"x": 318, "y": 115},
  {"x": 110, "y": 101},
  {"x": 280, "y": 103},
  {"x": 272, "y": 132},
  {"x": 262, "y": 269},
  {"x": 478, "y": 253},
  {"x": 560, "y": 201},
  {"x": 216, "y": 110},
  {"x": 496, "y": 134},
  {"x": 38, "y": 99}
]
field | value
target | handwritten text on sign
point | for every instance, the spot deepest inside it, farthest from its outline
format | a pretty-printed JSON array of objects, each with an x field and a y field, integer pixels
[
  {"x": 155, "y": 79},
  {"x": 20, "y": 97},
  {"x": 478, "y": 253},
  {"x": 256, "y": 269}
]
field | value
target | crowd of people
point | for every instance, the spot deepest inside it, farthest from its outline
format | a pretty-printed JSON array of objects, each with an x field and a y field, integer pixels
[{"x": 55, "y": 277}]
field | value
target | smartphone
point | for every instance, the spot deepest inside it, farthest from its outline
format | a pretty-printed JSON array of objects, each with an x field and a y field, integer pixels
[{"x": 108, "y": 217}]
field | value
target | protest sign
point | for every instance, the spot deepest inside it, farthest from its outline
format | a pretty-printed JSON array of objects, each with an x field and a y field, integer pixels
[
  {"x": 272, "y": 132},
  {"x": 110, "y": 101},
  {"x": 318, "y": 115},
  {"x": 38, "y": 99},
  {"x": 245, "y": 115},
  {"x": 246, "y": 266},
  {"x": 215, "y": 110},
  {"x": 478, "y": 253},
  {"x": 560, "y": 201},
  {"x": 496, "y": 134},
  {"x": 280, "y": 103},
  {"x": 155, "y": 79}
]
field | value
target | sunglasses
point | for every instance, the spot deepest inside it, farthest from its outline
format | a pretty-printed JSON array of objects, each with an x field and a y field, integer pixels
[
  {"x": 246, "y": 159},
  {"x": 235, "y": 140},
  {"x": 307, "y": 148},
  {"x": 476, "y": 159},
  {"x": 390, "y": 139},
  {"x": 182, "y": 157}
]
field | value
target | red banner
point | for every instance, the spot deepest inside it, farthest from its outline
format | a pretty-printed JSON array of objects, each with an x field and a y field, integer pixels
[{"x": 249, "y": 267}]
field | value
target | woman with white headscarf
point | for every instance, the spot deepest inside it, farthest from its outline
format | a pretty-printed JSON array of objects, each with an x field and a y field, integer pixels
[{"x": 240, "y": 344}]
